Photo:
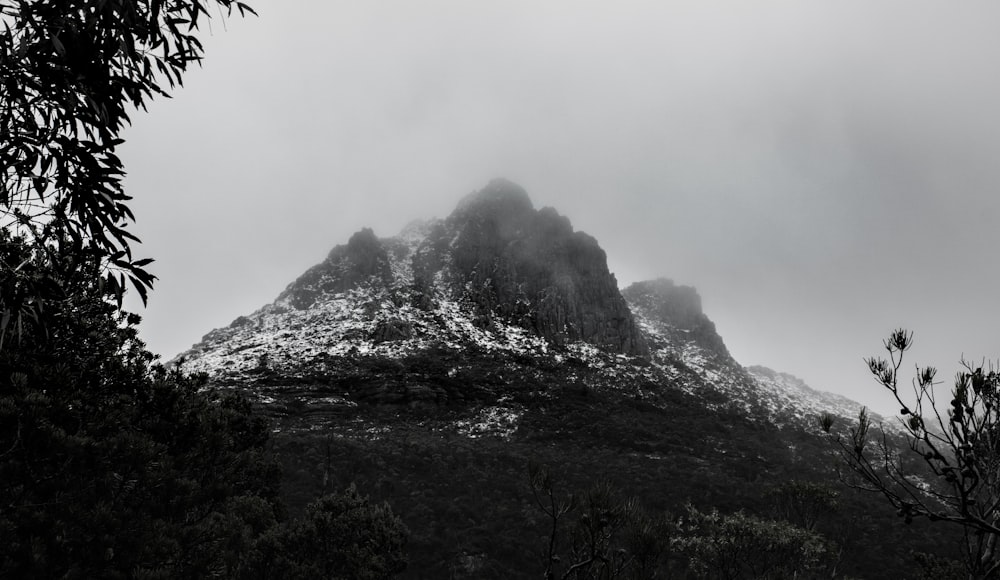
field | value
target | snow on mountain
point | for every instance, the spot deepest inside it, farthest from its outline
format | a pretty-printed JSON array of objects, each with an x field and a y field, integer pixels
[
  {"x": 677, "y": 330},
  {"x": 783, "y": 392},
  {"x": 498, "y": 289}
]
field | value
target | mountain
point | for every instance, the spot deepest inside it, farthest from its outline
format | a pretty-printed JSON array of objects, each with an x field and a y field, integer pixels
[
  {"x": 496, "y": 278},
  {"x": 431, "y": 367}
]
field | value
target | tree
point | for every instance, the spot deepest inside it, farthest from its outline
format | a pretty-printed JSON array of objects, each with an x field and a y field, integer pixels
[
  {"x": 112, "y": 467},
  {"x": 739, "y": 546},
  {"x": 71, "y": 72},
  {"x": 952, "y": 471},
  {"x": 804, "y": 503},
  {"x": 606, "y": 537},
  {"x": 937, "y": 568},
  {"x": 342, "y": 535}
]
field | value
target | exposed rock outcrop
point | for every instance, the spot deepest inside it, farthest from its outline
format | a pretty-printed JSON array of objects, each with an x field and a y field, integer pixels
[
  {"x": 677, "y": 307},
  {"x": 497, "y": 256},
  {"x": 529, "y": 267},
  {"x": 362, "y": 260}
]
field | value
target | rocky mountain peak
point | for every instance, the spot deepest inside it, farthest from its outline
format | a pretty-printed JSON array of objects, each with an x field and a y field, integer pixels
[
  {"x": 361, "y": 260},
  {"x": 502, "y": 203},
  {"x": 529, "y": 267},
  {"x": 493, "y": 271},
  {"x": 675, "y": 307}
]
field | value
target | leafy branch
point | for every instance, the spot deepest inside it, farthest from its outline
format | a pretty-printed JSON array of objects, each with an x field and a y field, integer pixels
[{"x": 71, "y": 72}]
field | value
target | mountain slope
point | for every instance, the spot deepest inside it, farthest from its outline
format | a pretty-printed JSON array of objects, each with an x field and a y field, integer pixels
[
  {"x": 433, "y": 366},
  {"x": 784, "y": 392}
]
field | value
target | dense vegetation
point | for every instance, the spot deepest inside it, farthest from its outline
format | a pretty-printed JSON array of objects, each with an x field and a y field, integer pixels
[
  {"x": 112, "y": 467},
  {"x": 469, "y": 505}
]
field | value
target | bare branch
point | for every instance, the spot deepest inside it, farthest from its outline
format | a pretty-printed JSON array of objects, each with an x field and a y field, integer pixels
[{"x": 956, "y": 447}]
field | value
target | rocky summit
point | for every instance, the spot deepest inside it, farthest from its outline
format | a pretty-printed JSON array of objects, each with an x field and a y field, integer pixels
[{"x": 498, "y": 298}]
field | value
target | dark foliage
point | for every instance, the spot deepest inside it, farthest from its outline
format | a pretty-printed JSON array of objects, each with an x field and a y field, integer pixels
[
  {"x": 741, "y": 546},
  {"x": 597, "y": 534},
  {"x": 71, "y": 71},
  {"x": 112, "y": 467},
  {"x": 109, "y": 468},
  {"x": 469, "y": 507},
  {"x": 804, "y": 503},
  {"x": 340, "y": 536}
]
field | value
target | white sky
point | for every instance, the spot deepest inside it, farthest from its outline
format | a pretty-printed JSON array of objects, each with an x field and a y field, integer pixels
[{"x": 822, "y": 172}]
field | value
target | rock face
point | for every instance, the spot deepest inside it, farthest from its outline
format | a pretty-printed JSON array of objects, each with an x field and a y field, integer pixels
[
  {"x": 676, "y": 307},
  {"x": 501, "y": 259},
  {"x": 361, "y": 260},
  {"x": 681, "y": 336},
  {"x": 529, "y": 267}
]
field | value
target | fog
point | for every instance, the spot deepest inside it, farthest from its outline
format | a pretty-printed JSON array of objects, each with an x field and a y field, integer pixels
[{"x": 821, "y": 172}]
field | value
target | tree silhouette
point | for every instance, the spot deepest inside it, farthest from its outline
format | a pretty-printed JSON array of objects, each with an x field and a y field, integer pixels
[
  {"x": 596, "y": 534},
  {"x": 71, "y": 72},
  {"x": 804, "y": 503},
  {"x": 738, "y": 546},
  {"x": 952, "y": 473},
  {"x": 342, "y": 535},
  {"x": 110, "y": 466}
]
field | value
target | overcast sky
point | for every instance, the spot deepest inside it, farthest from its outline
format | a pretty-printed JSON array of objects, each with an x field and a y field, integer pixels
[{"x": 821, "y": 172}]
